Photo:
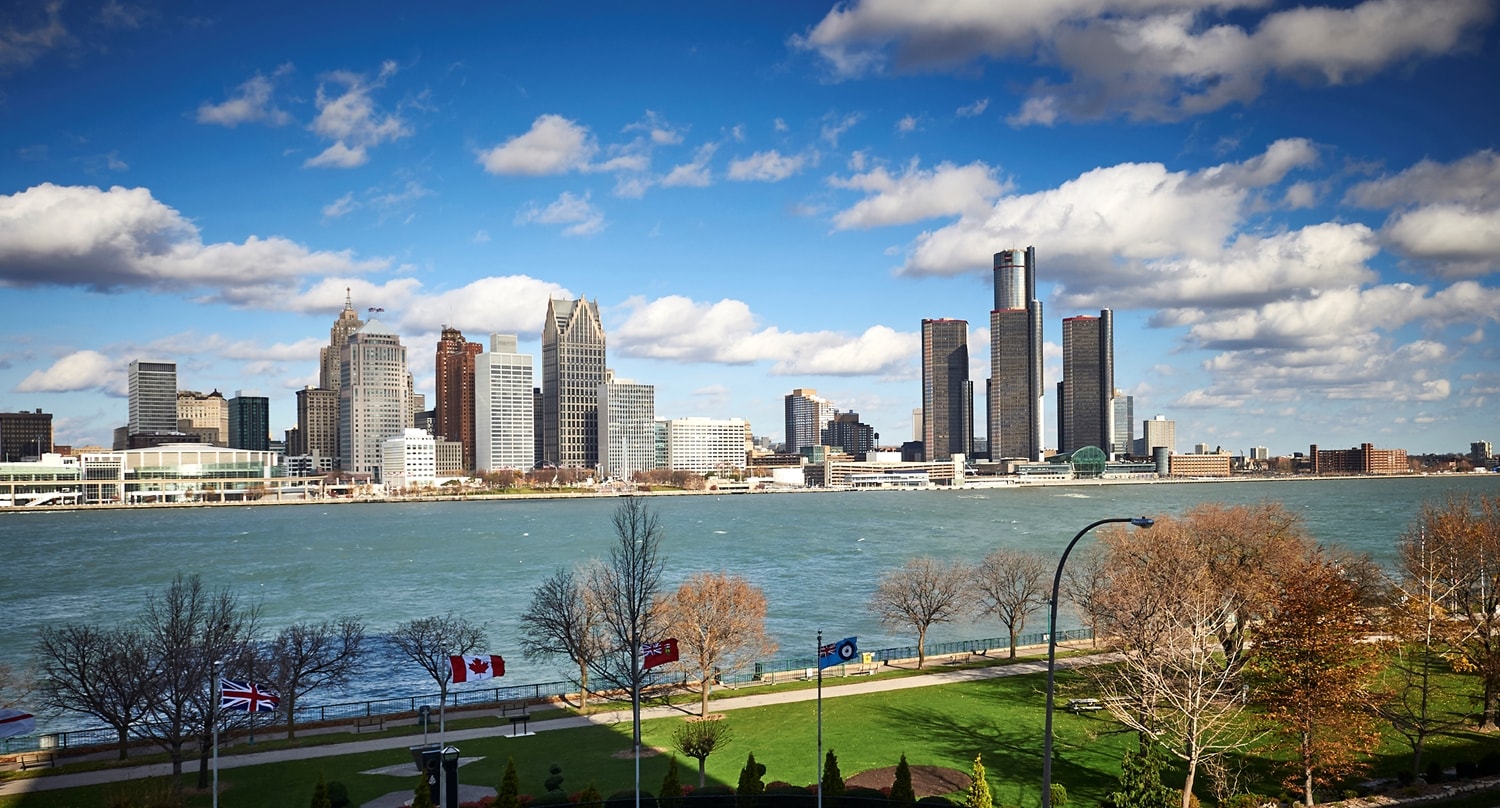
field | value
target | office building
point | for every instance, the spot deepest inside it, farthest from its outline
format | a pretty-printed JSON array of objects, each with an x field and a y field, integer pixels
[
  {"x": 1260, "y": 453},
  {"x": 504, "y": 407},
  {"x": 1481, "y": 453},
  {"x": 707, "y": 445},
  {"x": 1365, "y": 459},
  {"x": 153, "y": 397},
  {"x": 947, "y": 418},
  {"x": 453, "y": 410},
  {"x": 331, "y": 356},
  {"x": 846, "y": 432},
  {"x": 204, "y": 414},
  {"x": 1085, "y": 412},
  {"x": 1014, "y": 393},
  {"x": 409, "y": 460},
  {"x": 627, "y": 427},
  {"x": 25, "y": 436},
  {"x": 1156, "y": 433},
  {"x": 318, "y": 426},
  {"x": 806, "y": 416},
  {"x": 374, "y": 403},
  {"x": 1124, "y": 415},
  {"x": 250, "y": 422},
  {"x": 572, "y": 370}
]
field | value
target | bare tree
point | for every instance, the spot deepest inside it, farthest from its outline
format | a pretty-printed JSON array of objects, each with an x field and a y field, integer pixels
[
  {"x": 720, "y": 624},
  {"x": 627, "y": 587},
  {"x": 699, "y": 739},
  {"x": 1012, "y": 586},
  {"x": 105, "y": 673},
  {"x": 564, "y": 619},
  {"x": 15, "y": 685},
  {"x": 921, "y": 593},
  {"x": 429, "y": 641},
  {"x": 1082, "y": 584},
  {"x": 307, "y": 656}
]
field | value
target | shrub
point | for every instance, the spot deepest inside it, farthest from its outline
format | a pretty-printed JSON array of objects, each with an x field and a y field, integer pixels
[
  {"x": 901, "y": 791},
  {"x": 508, "y": 795},
  {"x": 551, "y": 798},
  {"x": 671, "y": 786},
  {"x": 1490, "y": 764},
  {"x": 1434, "y": 773},
  {"x": 1405, "y": 777},
  {"x": 554, "y": 779},
  {"x": 338, "y": 794},
  {"x": 786, "y": 795},
  {"x": 589, "y": 795},
  {"x": 1059, "y": 795},
  {"x": 1466, "y": 770},
  {"x": 751, "y": 784},
  {"x": 832, "y": 784},
  {"x": 320, "y": 794},
  {"x": 1246, "y": 801}
]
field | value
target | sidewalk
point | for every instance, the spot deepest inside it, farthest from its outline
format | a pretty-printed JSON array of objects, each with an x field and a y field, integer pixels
[{"x": 611, "y": 718}]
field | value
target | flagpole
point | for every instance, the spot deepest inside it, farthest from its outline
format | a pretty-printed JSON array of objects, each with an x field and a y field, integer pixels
[
  {"x": 635, "y": 710},
  {"x": 819, "y": 663},
  {"x": 214, "y": 719}
]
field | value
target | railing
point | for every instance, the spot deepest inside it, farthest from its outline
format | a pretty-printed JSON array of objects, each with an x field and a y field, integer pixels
[{"x": 761, "y": 672}]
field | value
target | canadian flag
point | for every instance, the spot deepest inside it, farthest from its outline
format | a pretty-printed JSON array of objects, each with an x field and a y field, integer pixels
[{"x": 474, "y": 668}]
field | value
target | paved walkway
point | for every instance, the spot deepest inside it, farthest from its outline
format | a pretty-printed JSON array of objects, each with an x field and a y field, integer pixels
[{"x": 839, "y": 687}]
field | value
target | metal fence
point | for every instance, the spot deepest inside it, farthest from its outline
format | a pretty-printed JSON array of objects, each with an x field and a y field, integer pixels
[{"x": 768, "y": 672}]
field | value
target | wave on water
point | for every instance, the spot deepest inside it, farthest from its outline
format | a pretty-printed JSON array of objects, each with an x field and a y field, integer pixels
[
  {"x": 721, "y": 532},
  {"x": 1075, "y": 496}
]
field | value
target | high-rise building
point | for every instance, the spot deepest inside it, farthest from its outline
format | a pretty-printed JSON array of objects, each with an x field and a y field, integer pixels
[
  {"x": 25, "y": 435},
  {"x": 503, "y": 407},
  {"x": 1481, "y": 453},
  {"x": 249, "y": 422},
  {"x": 331, "y": 356},
  {"x": 454, "y": 390},
  {"x": 572, "y": 370},
  {"x": 947, "y": 418},
  {"x": 705, "y": 445},
  {"x": 153, "y": 397},
  {"x": 627, "y": 427},
  {"x": 1158, "y": 432},
  {"x": 204, "y": 414},
  {"x": 1085, "y": 414},
  {"x": 1124, "y": 414},
  {"x": 374, "y": 402},
  {"x": 806, "y": 416},
  {"x": 1014, "y": 406},
  {"x": 845, "y": 431},
  {"x": 318, "y": 425}
]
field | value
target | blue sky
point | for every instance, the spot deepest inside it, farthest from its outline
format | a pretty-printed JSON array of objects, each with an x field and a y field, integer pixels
[{"x": 1293, "y": 208}]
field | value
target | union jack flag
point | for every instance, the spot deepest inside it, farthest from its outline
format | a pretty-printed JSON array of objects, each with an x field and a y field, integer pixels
[
  {"x": 246, "y": 696},
  {"x": 659, "y": 653}
]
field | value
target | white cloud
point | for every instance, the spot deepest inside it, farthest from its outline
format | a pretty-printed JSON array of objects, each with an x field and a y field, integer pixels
[
  {"x": 916, "y": 194},
  {"x": 766, "y": 166},
  {"x": 251, "y": 103},
  {"x": 340, "y": 207},
  {"x": 582, "y": 218},
  {"x": 511, "y": 304},
  {"x": 1473, "y": 180},
  {"x": 695, "y": 174},
  {"x": 834, "y": 127},
  {"x": 481, "y": 237},
  {"x": 658, "y": 129},
  {"x": 80, "y": 370},
  {"x": 19, "y": 46},
  {"x": 553, "y": 145},
  {"x": 351, "y": 120},
  {"x": 1268, "y": 168},
  {"x": 338, "y": 155},
  {"x": 1465, "y": 241},
  {"x": 1445, "y": 214},
  {"x": 973, "y": 110},
  {"x": 907, "y": 124}
]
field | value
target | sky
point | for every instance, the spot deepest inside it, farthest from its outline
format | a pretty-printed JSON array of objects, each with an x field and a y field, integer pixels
[{"x": 1292, "y": 208}]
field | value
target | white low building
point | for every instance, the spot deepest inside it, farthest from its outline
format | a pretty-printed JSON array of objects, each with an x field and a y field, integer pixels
[
  {"x": 409, "y": 461},
  {"x": 705, "y": 445}
]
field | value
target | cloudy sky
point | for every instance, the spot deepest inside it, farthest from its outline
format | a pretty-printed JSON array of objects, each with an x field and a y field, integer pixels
[{"x": 1293, "y": 208}]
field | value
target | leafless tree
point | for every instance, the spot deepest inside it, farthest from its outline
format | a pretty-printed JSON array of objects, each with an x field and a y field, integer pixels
[
  {"x": 307, "y": 656},
  {"x": 106, "y": 673},
  {"x": 1083, "y": 582},
  {"x": 429, "y": 641},
  {"x": 15, "y": 685},
  {"x": 699, "y": 739},
  {"x": 1013, "y": 585},
  {"x": 627, "y": 586},
  {"x": 719, "y": 621},
  {"x": 921, "y": 593},
  {"x": 564, "y": 619}
]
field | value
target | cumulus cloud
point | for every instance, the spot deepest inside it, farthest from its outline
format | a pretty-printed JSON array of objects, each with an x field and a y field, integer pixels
[
  {"x": 342, "y": 206},
  {"x": 657, "y": 129},
  {"x": 25, "y": 37},
  {"x": 973, "y": 110},
  {"x": 1162, "y": 60},
  {"x": 80, "y": 370},
  {"x": 250, "y": 103},
  {"x": 553, "y": 145},
  {"x": 914, "y": 195},
  {"x": 695, "y": 174},
  {"x": 351, "y": 120},
  {"x": 1447, "y": 215},
  {"x": 580, "y": 216},
  {"x": 504, "y": 304},
  {"x": 766, "y": 166}
]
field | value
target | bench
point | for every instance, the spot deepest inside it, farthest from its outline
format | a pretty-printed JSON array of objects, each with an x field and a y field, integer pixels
[
  {"x": 1083, "y": 705},
  {"x": 366, "y": 721},
  {"x": 519, "y": 714},
  {"x": 38, "y": 760}
]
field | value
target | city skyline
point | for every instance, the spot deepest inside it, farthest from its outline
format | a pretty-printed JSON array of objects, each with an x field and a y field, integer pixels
[{"x": 1298, "y": 240}]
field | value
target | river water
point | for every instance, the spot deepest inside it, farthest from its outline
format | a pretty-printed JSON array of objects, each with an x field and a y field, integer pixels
[{"x": 818, "y": 556}]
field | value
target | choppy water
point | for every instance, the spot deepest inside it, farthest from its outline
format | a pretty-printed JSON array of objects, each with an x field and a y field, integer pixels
[{"x": 817, "y": 556}]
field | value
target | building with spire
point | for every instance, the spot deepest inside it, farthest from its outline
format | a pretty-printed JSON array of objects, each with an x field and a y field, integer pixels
[
  {"x": 1085, "y": 401},
  {"x": 572, "y": 370},
  {"x": 1014, "y": 397},
  {"x": 374, "y": 399},
  {"x": 347, "y": 323},
  {"x": 947, "y": 392},
  {"x": 453, "y": 410}
]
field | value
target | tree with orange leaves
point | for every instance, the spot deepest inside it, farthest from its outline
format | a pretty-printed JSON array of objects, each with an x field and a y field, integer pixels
[{"x": 719, "y": 621}]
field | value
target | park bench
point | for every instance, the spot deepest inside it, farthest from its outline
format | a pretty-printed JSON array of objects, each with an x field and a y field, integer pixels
[
  {"x": 1083, "y": 705},
  {"x": 519, "y": 714},
  {"x": 367, "y": 721},
  {"x": 38, "y": 760}
]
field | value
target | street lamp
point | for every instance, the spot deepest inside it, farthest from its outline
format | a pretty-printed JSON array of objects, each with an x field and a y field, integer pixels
[
  {"x": 1138, "y": 521},
  {"x": 450, "y": 777}
]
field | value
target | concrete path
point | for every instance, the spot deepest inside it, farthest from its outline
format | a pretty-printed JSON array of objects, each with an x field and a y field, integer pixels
[{"x": 838, "y": 687}]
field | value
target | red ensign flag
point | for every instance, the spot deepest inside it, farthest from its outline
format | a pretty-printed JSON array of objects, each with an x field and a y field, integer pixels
[{"x": 659, "y": 653}]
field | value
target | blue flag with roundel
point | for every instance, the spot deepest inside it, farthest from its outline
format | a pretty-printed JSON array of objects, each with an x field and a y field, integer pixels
[{"x": 838, "y": 653}]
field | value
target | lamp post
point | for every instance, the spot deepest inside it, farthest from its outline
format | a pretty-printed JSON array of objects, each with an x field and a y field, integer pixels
[
  {"x": 450, "y": 777},
  {"x": 1138, "y": 521}
]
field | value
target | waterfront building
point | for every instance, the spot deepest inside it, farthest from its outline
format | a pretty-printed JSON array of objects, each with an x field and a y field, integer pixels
[
  {"x": 1085, "y": 414},
  {"x": 1124, "y": 414},
  {"x": 1156, "y": 433},
  {"x": 175, "y": 472},
  {"x": 1200, "y": 448},
  {"x": 504, "y": 407},
  {"x": 453, "y": 410},
  {"x": 153, "y": 397},
  {"x": 627, "y": 427},
  {"x": 374, "y": 401},
  {"x": 947, "y": 393},
  {"x": 250, "y": 422},
  {"x": 846, "y": 431},
  {"x": 205, "y": 414},
  {"x": 318, "y": 427},
  {"x": 409, "y": 460},
  {"x": 449, "y": 457},
  {"x": 1200, "y": 464},
  {"x": 706, "y": 445},
  {"x": 1364, "y": 459},
  {"x": 25, "y": 435},
  {"x": 1014, "y": 393},
  {"x": 572, "y": 370},
  {"x": 331, "y": 356},
  {"x": 807, "y": 414},
  {"x": 1480, "y": 452},
  {"x": 1260, "y": 453}
]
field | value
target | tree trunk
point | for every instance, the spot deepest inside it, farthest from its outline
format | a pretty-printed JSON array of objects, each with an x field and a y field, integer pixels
[
  {"x": 921, "y": 646},
  {"x": 176, "y": 754},
  {"x": 291, "y": 711},
  {"x": 205, "y": 750},
  {"x": 583, "y": 688},
  {"x": 1491, "y": 702},
  {"x": 1013, "y": 637},
  {"x": 703, "y": 687},
  {"x": 124, "y": 736},
  {"x": 701, "y": 763},
  {"x": 1187, "y": 785}
]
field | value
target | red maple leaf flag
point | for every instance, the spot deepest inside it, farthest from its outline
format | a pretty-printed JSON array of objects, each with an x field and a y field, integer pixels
[
  {"x": 474, "y": 668},
  {"x": 659, "y": 653}
]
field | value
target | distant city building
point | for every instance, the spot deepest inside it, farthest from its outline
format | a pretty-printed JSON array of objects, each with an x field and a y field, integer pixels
[
  {"x": 204, "y": 414},
  {"x": 1365, "y": 459},
  {"x": 1085, "y": 413},
  {"x": 318, "y": 425},
  {"x": 330, "y": 357},
  {"x": 153, "y": 397},
  {"x": 409, "y": 460},
  {"x": 250, "y": 422},
  {"x": 1480, "y": 452},
  {"x": 845, "y": 431},
  {"x": 25, "y": 436},
  {"x": 707, "y": 445},
  {"x": 1260, "y": 453},
  {"x": 449, "y": 457},
  {"x": 627, "y": 427},
  {"x": 504, "y": 414},
  {"x": 807, "y": 414},
  {"x": 292, "y": 442},
  {"x": 1200, "y": 448},
  {"x": 1201, "y": 464},
  {"x": 573, "y": 358},
  {"x": 947, "y": 394},
  {"x": 1014, "y": 393},
  {"x": 916, "y": 424},
  {"x": 453, "y": 407},
  {"x": 374, "y": 403},
  {"x": 1124, "y": 407},
  {"x": 1158, "y": 432}
]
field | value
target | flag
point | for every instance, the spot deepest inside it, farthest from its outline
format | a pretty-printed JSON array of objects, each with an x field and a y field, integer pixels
[
  {"x": 246, "y": 696},
  {"x": 659, "y": 653},
  {"x": 837, "y": 653},
  {"x": 15, "y": 722},
  {"x": 474, "y": 668}
]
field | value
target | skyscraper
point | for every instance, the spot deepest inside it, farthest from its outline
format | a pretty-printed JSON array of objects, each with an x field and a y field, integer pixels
[
  {"x": 1124, "y": 413},
  {"x": 1158, "y": 432},
  {"x": 318, "y": 424},
  {"x": 453, "y": 411},
  {"x": 807, "y": 415},
  {"x": 947, "y": 419},
  {"x": 204, "y": 414},
  {"x": 24, "y": 435},
  {"x": 627, "y": 427},
  {"x": 1085, "y": 412},
  {"x": 503, "y": 407},
  {"x": 249, "y": 422},
  {"x": 1014, "y": 412},
  {"x": 331, "y": 356},
  {"x": 153, "y": 397},
  {"x": 374, "y": 402},
  {"x": 572, "y": 370}
]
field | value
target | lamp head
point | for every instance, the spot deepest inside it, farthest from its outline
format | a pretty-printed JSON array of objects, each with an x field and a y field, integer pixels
[
  {"x": 1143, "y": 521},
  {"x": 450, "y": 753}
]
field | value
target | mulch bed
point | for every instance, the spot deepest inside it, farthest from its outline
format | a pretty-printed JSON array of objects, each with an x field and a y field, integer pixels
[{"x": 926, "y": 781}]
